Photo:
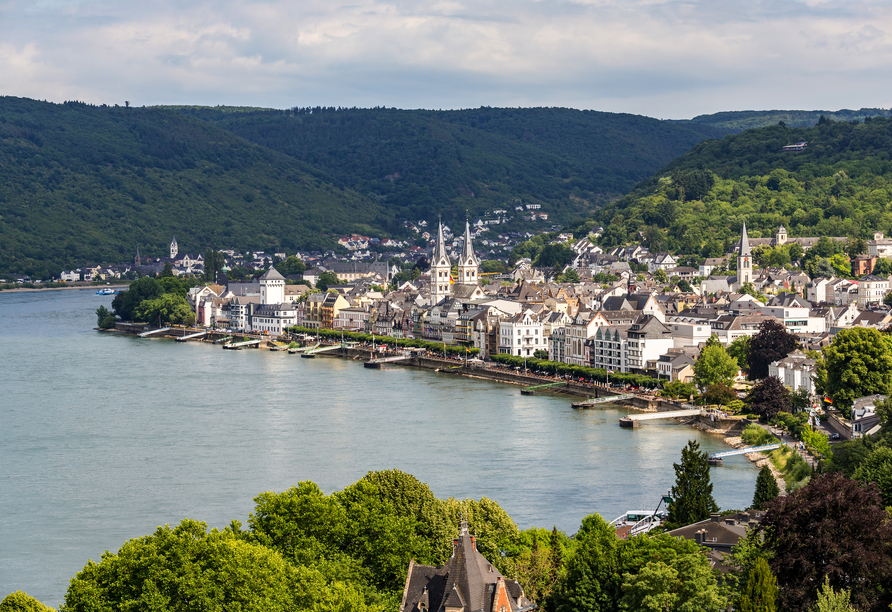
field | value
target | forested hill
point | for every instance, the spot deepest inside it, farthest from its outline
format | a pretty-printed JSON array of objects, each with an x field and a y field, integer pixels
[
  {"x": 83, "y": 184},
  {"x": 840, "y": 185},
  {"x": 737, "y": 121},
  {"x": 422, "y": 163}
]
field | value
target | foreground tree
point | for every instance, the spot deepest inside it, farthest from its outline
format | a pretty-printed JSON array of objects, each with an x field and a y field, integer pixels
[
  {"x": 773, "y": 342},
  {"x": 877, "y": 468},
  {"x": 692, "y": 499},
  {"x": 836, "y": 529},
  {"x": 833, "y": 601},
  {"x": 857, "y": 363},
  {"x": 185, "y": 568},
  {"x": 22, "y": 602},
  {"x": 769, "y": 397},
  {"x": 766, "y": 488},
  {"x": 759, "y": 593}
]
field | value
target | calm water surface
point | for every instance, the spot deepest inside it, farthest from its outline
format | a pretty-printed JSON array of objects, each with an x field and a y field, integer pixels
[{"x": 104, "y": 437}]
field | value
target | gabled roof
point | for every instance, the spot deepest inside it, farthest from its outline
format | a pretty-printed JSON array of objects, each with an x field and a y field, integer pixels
[{"x": 272, "y": 274}]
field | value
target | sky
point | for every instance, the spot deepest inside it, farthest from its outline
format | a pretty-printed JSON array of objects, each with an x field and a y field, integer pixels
[{"x": 661, "y": 58}]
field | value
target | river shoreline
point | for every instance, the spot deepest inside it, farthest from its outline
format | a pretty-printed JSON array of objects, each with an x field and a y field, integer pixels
[{"x": 33, "y": 289}]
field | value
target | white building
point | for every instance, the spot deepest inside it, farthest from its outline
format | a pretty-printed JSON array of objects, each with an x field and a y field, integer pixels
[
  {"x": 522, "y": 334},
  {"x": 796, "y": 371},
  {"x": 871, "y": 290}
]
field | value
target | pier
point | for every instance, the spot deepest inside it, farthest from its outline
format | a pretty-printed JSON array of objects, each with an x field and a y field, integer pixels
[
  {"x": 602, "y": 400},
  {"x": 378, "y": 362},
  {"x": 633, "y": 419},
  {"x": 191, "y": 336},
  {"x": 716, "y": 459},
  {"x": 532, "y": 390},
  {"x": 154, "y": 331},
  {"x": 236, "y": 346}
]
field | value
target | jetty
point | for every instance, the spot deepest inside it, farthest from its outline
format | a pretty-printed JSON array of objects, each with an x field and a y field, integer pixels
[
  {"x": 311, "y": 353},
  {"x": 154, "y": 331},
  {"x": 278, "y": 346},
  {"x": 223, "y": 340},
  {"x": 602, "y": 400},
  {"x": 237, "y": 346},
  {"x": 378, "y": 362},
  {"x": 716, "y": 458},
  {"x": 191, "y": 336},
  {"x": 633, "y": 419},
  {"x": 532, "y": 390},
  {"x": 301, "y": 349}
]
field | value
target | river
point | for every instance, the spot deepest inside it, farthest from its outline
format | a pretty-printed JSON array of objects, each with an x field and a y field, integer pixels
[{"x": 103, "y": 437}]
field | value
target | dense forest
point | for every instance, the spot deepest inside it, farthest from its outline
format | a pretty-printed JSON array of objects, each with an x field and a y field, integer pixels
[
  {"x": 83, "y": 183},
  {"x": 840, "y": 185},
  {"x": 423, "y": 163},
  {"x": 738, "y": 121}
]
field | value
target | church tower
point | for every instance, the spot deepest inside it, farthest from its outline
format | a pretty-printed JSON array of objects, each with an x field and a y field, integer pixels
[
  {"x": 744, "y": 260},
  {"x": 467, "y": 262},
  {"x": 138, "y": 260},
  {"x": 173, "y": 248},
  {"x": 441, "y": 268}
]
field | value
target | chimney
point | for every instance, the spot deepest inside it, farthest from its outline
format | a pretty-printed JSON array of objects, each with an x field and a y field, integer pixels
[
  {"x": 700, "y": 536},
  {"x": 474, "y": 542},
  {"x": 730, "y": 521},
  {"x": 715, "y": 517}
]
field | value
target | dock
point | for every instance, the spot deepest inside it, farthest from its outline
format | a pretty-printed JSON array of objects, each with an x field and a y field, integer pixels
[
  {"x": 378, "y": 362},
  {"x": 191, "y": 336},
  {"x": 301, "y": 349},
  {"x": 532, "y": 390},
  {"x": 311, "y": 353},
  {"x": 154, "y": 331},
  {"x": 633, "y": 419},
  {"x": 223, "y": 340},
  {"x": 237, "y": 346},
  {"x": 716, "y": 458},
  {"x": 602, "y": 400}
]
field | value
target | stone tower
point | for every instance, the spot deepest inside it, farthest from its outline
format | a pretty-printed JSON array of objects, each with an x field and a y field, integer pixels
[
  {"x": 173, "y": 248},
  {"x": 441, "y": 268},
  {"x": 467, "y": 262},
  {"x": 272, "y": 287}
]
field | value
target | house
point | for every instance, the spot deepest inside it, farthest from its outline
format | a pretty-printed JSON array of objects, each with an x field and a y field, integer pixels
[
  {"x": 871, "y": 290},
  {"x": 467, "y": 582},
  {"x": 796, "y": 371},
  {"x": 720, "y": 534},
  {"x": 522, "y": 334},
  {"x": 865, "y": 421}
]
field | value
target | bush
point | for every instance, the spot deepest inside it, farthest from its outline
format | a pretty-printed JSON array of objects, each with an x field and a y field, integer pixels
[{"x": 754, "y": 435}]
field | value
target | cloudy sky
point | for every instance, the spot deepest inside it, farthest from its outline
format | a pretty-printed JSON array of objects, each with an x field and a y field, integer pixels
[{"x": 662, "y": 58}]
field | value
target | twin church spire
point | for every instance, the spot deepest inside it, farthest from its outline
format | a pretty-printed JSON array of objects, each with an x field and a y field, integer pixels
[{"x": 441, "y": 266}]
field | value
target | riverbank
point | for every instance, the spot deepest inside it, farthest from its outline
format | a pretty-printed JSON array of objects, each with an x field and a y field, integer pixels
[{"x": 65, "y": 288}]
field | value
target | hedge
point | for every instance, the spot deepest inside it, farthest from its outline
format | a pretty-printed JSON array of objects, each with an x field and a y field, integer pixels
[
  {"x": 434, "y": 347},
  {"x": 561, "y": 369}
]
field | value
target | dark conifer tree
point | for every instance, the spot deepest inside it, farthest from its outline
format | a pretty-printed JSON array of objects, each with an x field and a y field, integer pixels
[
  {"x": 766, "y": 488},
  {"x": 692, "y": 499},
  {"x": 759, "y": 594},
  {"x": 769, "y": 397}
]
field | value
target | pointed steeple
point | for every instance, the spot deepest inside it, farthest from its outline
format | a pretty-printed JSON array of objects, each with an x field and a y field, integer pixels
[
  {"x": 467, "y": 263},
  {"x": 467, "y": 248},
  {"x": 440, "y": 271},
  {"x": 138, "y": 260},
  {"x": 744, "y": 244},
  {"x": 440, "y": 249}
]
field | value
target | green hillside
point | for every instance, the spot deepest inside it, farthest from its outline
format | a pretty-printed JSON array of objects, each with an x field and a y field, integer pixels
[
  {"x": 841, "y": 185},
  {"x": 82, "y": 183},
  {"x": 422, "y": 163},
  {"x": 737, "y": 121}
]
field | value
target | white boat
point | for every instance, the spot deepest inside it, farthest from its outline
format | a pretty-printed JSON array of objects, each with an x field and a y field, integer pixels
[
  {"x": 635, "y": 522},
  {"x": 106, "y": 291}
]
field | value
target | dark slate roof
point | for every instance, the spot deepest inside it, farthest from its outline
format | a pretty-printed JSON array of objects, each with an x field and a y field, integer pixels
[
  {"x": 272, "y": 274},
  {"x": 467, "y": 581}
]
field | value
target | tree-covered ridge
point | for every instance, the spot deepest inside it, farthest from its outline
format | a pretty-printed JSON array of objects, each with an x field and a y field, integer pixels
[
  {"x": 747, "y": 120},
  {"x": 840, "y": 185},
  {"x": 422, "y": 163},
  {"x": 82, "y": 184}
]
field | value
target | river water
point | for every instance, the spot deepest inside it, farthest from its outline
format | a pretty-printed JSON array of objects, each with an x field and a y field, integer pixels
[{"x": 103, "y": 437}]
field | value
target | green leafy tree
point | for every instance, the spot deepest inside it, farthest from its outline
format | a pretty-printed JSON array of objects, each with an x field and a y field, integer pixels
[
  {"x": 326, "y": 279},
  {"x": 833, "y": 528},
  {"x": 570, "y": 276},
  {"x": 20, "y": 601},
  {"x": 769, "y": 397},
  {"x": 213, "y": 264},
  {"x": 857, "y": 363},
  {"x": 720, "y": 394},
  {"x": 105, "y": 319},
  {"x": 877, "y": 468},
  {"x": 660, "y": 276},
  {"x": 291, "y": 266},
  {"x": 833, "y": 601},
  {"x": 739, "y": 350},
  {"x": 554, "y": 256},
  {"x": 760, "y": 591},
  {"x": 125, "y": 303},
  {"x": 692, "y": 498},
  {"x": 773, "y": 342},
  {"x": 186, "y": 568},
  {"x": 714, "y": 365},
  {"x": 684, "y": 583},
  {"x": 590, "y": 579},
  {"x": 167, "y": 272},
  {"x": 677, "y": 389},
  {"x": 169, "y": 308},
  {"x": 766, "y": 488}
]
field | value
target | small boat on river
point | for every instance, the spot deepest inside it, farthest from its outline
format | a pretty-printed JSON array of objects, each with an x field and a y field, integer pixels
[{"x": 106, "y": 291}]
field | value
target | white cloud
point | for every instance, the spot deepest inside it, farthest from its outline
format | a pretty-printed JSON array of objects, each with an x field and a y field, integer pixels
[{"x": 665, "y": 58}]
